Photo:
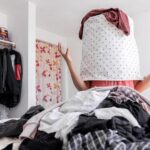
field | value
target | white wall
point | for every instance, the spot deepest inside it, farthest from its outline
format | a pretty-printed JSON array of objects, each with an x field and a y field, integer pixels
[
  {"x": 3, "y": 20},
  {"x": 31, "y": 54},
  {"x": 46, "y": 36},
  {"x": 142, "y": 34},
  {"x": 49, "y": 36},
  {"x": 75, "y": 46}
]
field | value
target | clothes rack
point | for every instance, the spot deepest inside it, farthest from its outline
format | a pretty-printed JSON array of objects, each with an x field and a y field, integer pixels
[{"x": 7, "y": 43}]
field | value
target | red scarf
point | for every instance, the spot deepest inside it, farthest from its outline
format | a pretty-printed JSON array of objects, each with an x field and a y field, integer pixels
[{"x": 113, "y": 15}]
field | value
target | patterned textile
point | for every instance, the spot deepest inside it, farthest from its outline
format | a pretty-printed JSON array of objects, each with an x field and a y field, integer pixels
[
  {"x": 123, "y": 94},
  {"x": 90, "y": 141},
  {"x": 48, "y": 74},
  {"x": 101, "y": 140},
  {"x": 107, "y": 53},
  {"x": 114, "y": 15}
]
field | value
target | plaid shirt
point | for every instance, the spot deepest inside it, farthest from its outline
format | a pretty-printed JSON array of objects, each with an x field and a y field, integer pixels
[{"x": 100, "y": 140}]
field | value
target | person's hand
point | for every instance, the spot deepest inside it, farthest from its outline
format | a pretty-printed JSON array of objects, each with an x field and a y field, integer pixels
[
  {"x": 143, "y": 85},
  {"x": 147, "y": 79},
  {"x": 66, "y": 55}
]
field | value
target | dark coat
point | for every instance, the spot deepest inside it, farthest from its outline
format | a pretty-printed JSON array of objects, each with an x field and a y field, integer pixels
[{"x": 10, "y": 78}]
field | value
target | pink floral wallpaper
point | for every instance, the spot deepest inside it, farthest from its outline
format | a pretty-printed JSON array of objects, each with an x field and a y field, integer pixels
[{"x": 48, "y": 74}]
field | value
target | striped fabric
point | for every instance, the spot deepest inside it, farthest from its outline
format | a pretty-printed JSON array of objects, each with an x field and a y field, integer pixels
[{"x": 100, "y": 140}]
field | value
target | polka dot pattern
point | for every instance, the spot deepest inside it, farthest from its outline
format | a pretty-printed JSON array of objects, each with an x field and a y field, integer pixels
[{"x": 107, "y": 53}]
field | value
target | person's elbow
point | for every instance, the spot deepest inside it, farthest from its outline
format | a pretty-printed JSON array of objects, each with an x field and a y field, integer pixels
[{"x": 83, "y": 87}]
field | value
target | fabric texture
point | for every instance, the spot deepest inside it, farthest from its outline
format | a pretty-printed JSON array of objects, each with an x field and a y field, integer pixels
[
  {"x": 7, "y": 142},
  {"x": 85, "y": 101},
  {"x": 67, "y": 120},
  {"x": 10, "y": 87},
  {"x": 113, "y": 15},
  {"x": 100, "y": 140},
  {"x": 108, "y": 54},
  {"x": 136, "y": 110},
  {"x": 32, "y": 111},
  {"x": 48, "y": 74},
  {"x": 13, "y": 127},
  {"x": 42, "y": 141},
  {"x": 31, "y": 126},
  {"x": 123, "y": 94},
  {"x": 88, "y": 123},
  {"x": 88, "y": 101},
  {"x": 108, "y": 113},
  {"x": 95, "y": 83}
]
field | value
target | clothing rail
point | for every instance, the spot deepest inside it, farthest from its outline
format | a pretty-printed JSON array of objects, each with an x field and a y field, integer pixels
[{"x": 7, "y": 43}]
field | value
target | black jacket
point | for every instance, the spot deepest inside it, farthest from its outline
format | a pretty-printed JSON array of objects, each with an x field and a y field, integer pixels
[{"x": 10, "y": 78}]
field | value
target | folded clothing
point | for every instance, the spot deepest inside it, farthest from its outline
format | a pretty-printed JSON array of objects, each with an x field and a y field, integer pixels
[{"x": 14, "y": 127}]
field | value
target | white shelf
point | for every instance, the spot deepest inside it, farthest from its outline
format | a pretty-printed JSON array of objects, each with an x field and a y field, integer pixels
[{"x": 7, "y": 42}]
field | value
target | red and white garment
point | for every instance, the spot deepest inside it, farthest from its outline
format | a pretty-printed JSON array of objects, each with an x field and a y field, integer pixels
[
  {"x": 48, "y": 74},
  {"x": 107, "y": 53}
]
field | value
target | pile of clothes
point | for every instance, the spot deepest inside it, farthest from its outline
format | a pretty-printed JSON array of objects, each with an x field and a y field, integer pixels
[{"x": 98, "y": 118}]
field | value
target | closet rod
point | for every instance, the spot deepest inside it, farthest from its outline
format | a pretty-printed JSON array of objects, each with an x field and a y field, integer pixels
[{"x": 8, "y": 43}]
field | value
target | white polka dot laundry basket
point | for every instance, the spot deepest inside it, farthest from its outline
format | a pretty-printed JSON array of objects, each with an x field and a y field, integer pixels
[{"x": 107, "y": 53}]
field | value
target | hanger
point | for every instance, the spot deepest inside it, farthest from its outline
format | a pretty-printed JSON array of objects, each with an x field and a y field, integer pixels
[{"x": 7, "y": 44}]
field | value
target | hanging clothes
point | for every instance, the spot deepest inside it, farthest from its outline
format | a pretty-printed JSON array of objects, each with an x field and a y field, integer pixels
[
  {"x": 10, "y": 79},
  {"x": 48, "y": 74}
]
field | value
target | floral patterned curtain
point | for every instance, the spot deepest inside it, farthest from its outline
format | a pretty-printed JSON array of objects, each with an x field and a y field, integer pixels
[{"x": 48, "y": 74}]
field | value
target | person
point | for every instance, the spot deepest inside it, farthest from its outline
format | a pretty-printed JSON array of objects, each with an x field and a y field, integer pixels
[{"x": 140, "y": 86}]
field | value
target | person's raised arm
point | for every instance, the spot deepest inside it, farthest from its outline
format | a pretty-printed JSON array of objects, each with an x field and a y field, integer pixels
[
  {"x": 143, "y": 85},
  {"x": 78, "y": 82}
]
